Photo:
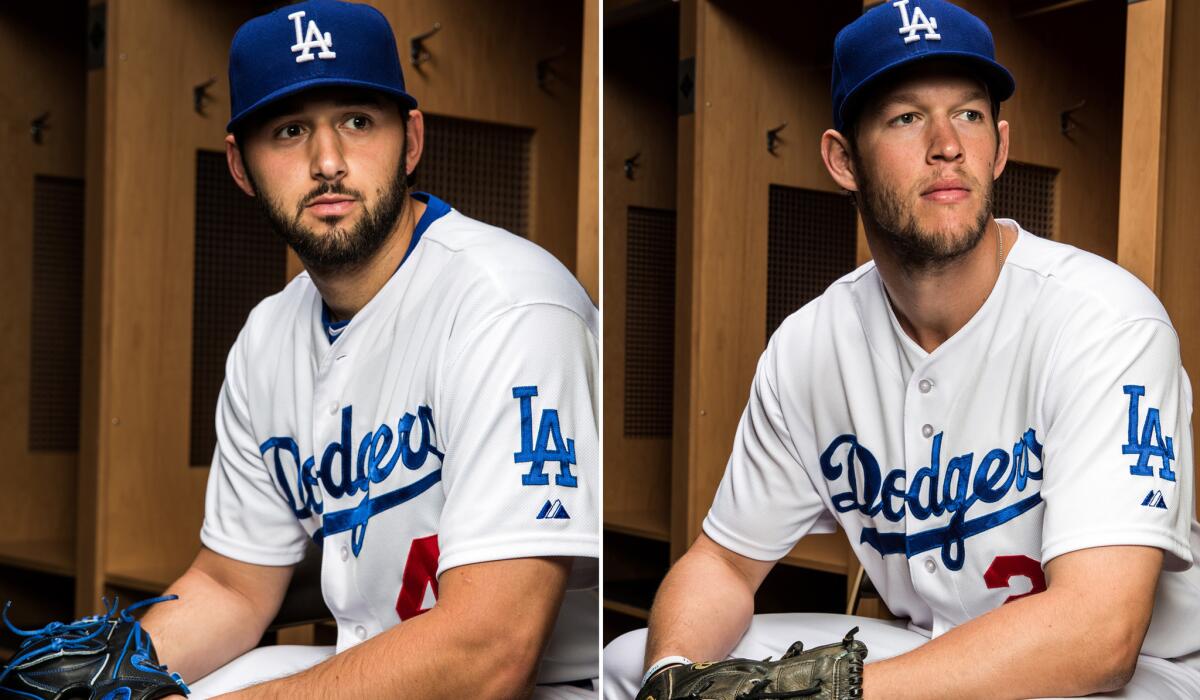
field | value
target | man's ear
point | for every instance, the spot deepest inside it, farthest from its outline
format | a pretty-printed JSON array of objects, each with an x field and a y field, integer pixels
[
  {"x": 835, "y": 151},
  {"x": 1001, "y": 149},
  {"x": 237, "y": 166},
  {"x": 414, "y": 140}
]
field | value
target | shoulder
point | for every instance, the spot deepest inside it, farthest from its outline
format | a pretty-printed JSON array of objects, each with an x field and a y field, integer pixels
[
  {"x": 1082, "y": 284},
  {"x": 837, "y": 310},
  {"x": 279, "y": 312},
  {"x": 490, "y": 270}
]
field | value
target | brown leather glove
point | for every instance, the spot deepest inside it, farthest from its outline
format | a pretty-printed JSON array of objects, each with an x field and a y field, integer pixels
[{"x": 830, "y": 672}]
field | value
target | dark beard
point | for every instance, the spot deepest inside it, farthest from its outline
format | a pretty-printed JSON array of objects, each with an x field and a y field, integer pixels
[
  {"x": 338, "y": 249},
  {"x": 915, "y": 249}
]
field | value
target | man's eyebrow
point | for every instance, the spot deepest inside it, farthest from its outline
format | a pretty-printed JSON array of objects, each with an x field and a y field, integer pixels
[
  {"x": 898, "y": 98},
  {"x": 911, "y": 98}
]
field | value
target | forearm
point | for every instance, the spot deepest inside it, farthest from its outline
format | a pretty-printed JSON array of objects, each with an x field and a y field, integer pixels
[
  {"x": 702, "y": 609},
  {"x": 428, "y": 656},
  {"x": 1039, "y": 646},
  {"x": 482, "y": 639},
  {"x": 209, "y": 626}
]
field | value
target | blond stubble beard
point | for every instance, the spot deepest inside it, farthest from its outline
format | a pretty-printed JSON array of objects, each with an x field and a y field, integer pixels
[{"x": 920, "y": 250}]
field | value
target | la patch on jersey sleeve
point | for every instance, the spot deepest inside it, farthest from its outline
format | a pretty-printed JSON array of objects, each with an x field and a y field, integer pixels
[
  {"x": 521, "y": 466},
  {"x": 1118, "y": 448}
]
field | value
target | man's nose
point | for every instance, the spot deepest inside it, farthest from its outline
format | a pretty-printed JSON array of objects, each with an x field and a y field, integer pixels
[
  {"x": 328, "y": 161},
  {"x": 944, "y": 141}
]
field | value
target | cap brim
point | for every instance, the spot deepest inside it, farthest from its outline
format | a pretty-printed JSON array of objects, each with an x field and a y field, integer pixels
[
  {"x": 1000, "y": 82},
  {"x": 405, "y": 99}
]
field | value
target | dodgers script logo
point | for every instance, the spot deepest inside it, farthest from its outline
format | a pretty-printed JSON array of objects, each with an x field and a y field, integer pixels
[
  {"x": 313, "y": 40},
  {"x": 340, "y": 475},
  {"x": 965, "y": 484},
  {"x": 918, "y": 23}
]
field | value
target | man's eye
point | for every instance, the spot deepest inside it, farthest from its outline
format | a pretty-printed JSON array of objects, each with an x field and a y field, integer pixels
[
  {"x": 358, "y": 122},
  {"x": 907, "y": 118},
  {"x": 289, "y": 131},
  {"x": 973, "y": 115}
]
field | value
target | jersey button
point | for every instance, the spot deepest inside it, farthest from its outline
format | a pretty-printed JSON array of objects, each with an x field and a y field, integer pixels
[
  {"x": 929, "y": 565},
  {"x": 925, "y": 385},
  {"x": 333, "y": 408},
  {"x": 345, "y": 553},
  {"x": 360, "y": 632},
  {"x": 927, "y": 430}
]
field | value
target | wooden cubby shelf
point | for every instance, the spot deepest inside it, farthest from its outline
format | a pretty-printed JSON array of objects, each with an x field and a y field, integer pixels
[{"x": 47, "y": 556}]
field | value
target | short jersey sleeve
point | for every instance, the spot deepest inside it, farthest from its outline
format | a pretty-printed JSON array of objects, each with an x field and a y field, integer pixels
[
  {"x": 245, "y": 516},
  {"x": 521, "y": 467},
  {"x": 1117, "y": 463},
  {"x": 766, "y": 501}
]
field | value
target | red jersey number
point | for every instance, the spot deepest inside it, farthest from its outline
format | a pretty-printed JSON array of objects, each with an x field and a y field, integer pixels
[
  {"x": 420, "y": 574},
  {"x": 1004, "y": 568}
]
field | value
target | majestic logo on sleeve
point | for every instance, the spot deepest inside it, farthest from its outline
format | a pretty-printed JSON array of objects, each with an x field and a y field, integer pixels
[
  {"x": 965, "y": 483},
  {"x": 918, "y": 23},
  {"x": 1150, "y": 444},
  {"x": 340, "y": 475},
  {"x": 549, "y": 446},
  {"x": 1155, "y": 499},
  {"x": 314, "y": 39},
  {"x": 553, "y": 511}
]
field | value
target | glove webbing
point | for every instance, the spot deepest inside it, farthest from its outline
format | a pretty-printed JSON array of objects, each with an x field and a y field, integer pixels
[{"x": 62, "y": 638}]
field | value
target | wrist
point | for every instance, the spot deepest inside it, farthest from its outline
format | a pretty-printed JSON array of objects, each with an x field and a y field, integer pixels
[{"x": 665, "y": 662}]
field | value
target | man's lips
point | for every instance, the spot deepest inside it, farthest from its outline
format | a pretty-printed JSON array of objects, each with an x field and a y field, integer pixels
[
  {"x": 331, "y": 206},
  {"x": 947, "y": 192}
]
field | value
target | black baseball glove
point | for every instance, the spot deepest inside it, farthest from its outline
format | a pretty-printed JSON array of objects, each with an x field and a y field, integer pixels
[
  {"x": 101, "y": 657},
  {"x": 831, "y": 672}
]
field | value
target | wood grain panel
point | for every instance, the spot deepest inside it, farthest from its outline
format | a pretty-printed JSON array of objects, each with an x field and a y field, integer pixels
[
  {"x": 45, "y": 54},
  {"x": 155, "y": 54},
  {"x": 92, "y": 516},
  {"x": 683, "y": 442},
  {"x": 1179, "y": 287},
  {"x": 639, "y": 119},
  {"x": 587, "y": 253},
  {"x": 1142, "y": 139}
]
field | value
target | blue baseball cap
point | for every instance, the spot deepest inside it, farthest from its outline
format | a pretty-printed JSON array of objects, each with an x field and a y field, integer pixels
[
  {"x": 902, "y": 32},
  {"x": 312, "y": 44}
]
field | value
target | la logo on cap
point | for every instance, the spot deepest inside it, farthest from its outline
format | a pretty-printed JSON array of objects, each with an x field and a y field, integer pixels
[
  {"x": 919, "y": 23},
  {"x": 314, "y": 39}
]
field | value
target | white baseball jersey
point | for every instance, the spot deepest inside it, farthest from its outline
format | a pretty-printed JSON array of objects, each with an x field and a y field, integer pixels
[
  {"x": 1055, "y": 420},
  {"x": 452, "y": 421}
]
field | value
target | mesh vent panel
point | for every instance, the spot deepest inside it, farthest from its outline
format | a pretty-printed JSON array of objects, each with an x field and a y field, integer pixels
[
  {"x": 650, "y": 323},
  {"x": 57, "y": 324},
  {"x": 1025, "y": 193},
  {"x": 479, "y": 169},
  {"x": 811, "y": 243},
  {"x": 239, "y": 261}
]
